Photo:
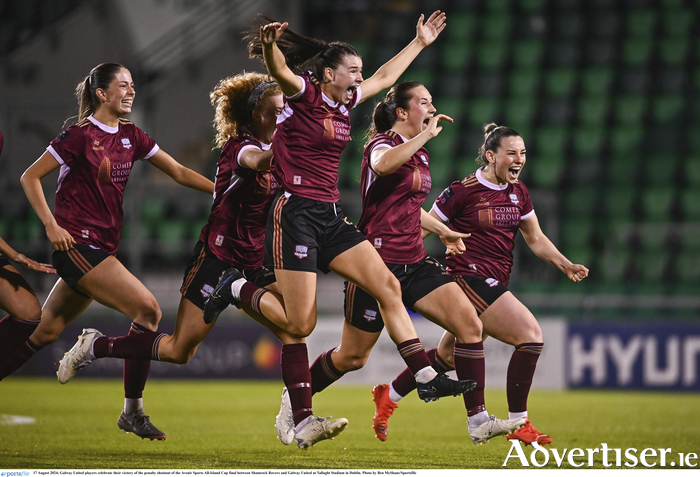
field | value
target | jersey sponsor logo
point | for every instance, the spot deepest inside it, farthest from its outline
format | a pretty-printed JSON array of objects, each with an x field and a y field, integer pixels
[
  {"x": 121, "y": 171},
  {"x": 492, "y": 282},
  {"x": 301, "y": 251},
  {"x": 369, "y": 315},
  {"x": 206, "y": 290},
  {"x": 297, "y": 180},
  {"x": 514, "y": 199},
  {"x": 219, "y": 240},
  {"x": 96, "y": 146},
  {"x": 126, "y": 143},
  {"x": 378, "y": 242}
]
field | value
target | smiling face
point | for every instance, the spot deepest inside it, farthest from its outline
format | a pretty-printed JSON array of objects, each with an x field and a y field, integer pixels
[
  {"x": 118, "y": 98},
  {"x": 341, "y": 82},
  {"x": 506, "y": 163},
  {"x": 414, "y": 119},
  {"x": 265, "y": 117}
]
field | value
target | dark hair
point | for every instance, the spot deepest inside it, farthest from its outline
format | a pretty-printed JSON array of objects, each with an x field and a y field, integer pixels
[
  {"x": 298, "y": 49},
  {"x": 384, "y": 115},
  {"x": 493, "y": 134},
  {"x": 100, "y": 77}
]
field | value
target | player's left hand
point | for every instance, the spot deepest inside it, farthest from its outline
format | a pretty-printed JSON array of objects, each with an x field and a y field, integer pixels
[
  {"x": 33, "y": 265},
  {"x": 453, "y": 242},
  {"x": 427, "y": 32},
  {"x": 576, "y": 272}
]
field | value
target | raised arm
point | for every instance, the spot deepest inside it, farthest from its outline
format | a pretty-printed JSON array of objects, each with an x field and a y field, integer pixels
[
  {"x": 389, "y": 72},
  {"x": 276, "y": 64},
  {"x": 386, "y": 160},
  {"x": 546, "y": 250},
  {"x": 181, "y": 174},
  {"x": 31, "y": 183},
  {"x": 256, "y": 159}
]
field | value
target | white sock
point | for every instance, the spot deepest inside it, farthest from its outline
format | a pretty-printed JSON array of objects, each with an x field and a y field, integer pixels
[
  {"x": 132, "y": 405},
  {"x": 393, "y": 395},
  {"x": 236, "y": 288},
  {"x": 478, "y": 419},
  {"x": 517, "y": 415},
  {"x": 425, "y": 375}
]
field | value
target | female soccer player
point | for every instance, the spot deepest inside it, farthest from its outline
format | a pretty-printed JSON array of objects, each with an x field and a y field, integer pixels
[
  {"x": 306, "y": 227},
  {"x": 395, "y": 182},
  {"x": 247, "y": 106},
  {"x": 95, "y": 157},
  {"x": 16, "y": 296},
  {"x": 492, "y": 205}
]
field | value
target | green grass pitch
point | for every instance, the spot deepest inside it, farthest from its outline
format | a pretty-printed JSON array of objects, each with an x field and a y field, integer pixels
[{"x": 230, "y": 425}]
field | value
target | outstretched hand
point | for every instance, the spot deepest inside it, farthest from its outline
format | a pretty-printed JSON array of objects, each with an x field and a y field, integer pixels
[
  {"x": 427, "y": 32},
  {"x": 33, "y": 265},
  {"x": 433, "y": 129},
  {"x": 272, "y": 32},
  {"x": 453, "y": 241}
]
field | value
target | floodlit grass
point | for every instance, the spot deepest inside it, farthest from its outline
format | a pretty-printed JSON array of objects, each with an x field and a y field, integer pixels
[{"x": 230, "y": 424}]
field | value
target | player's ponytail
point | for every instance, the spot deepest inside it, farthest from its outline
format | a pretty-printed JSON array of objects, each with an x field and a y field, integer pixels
[
  {"x": 298, "y": 50},
  {"x": 493, "y": 134},
  {"x": 99, "y": 78},
  {"x": 384, "y": 115}
]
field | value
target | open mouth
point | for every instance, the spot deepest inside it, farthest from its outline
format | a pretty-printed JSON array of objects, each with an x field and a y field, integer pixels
[
  {"x": 350, "y": 91},
  {"x": 514, "y": 172}
]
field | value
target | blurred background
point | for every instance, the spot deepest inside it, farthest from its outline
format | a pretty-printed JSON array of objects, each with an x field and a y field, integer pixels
[{"x": 604, "y": 92}]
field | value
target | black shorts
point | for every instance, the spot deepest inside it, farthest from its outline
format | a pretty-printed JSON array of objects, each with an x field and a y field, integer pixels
[
  {"x": 417, "y": 280},
  {"x": 204, "y": 270},
  {"x": 74, "y": 264},
  {"x": 4, "y": 261},
  {"x": 306, "y": 235},
  {"x": 481, "y": 291}
]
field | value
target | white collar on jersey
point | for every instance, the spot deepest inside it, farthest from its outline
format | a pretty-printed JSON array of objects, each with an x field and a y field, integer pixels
[
  {"x": 486, "y": 183},
  {"x": 104, "y": 127}
]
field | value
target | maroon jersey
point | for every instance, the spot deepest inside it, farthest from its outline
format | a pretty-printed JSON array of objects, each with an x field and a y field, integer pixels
[
  {"x": 311, "y": 133},
  {"x": 235, "y": 232},
  {"x": 492, "y": 214},
  {"x": 391, "y": 204},
  {"x": 96, "y": 162}
]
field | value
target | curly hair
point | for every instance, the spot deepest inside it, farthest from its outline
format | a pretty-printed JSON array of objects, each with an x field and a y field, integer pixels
[
  {"x": 230, "y": 99},
  {"x": 493, "y": 134}
]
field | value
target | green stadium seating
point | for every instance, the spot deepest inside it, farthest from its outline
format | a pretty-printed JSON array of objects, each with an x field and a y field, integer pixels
[
  {"x": 691, "y": 170},
  {"x": 520, "y": 111},
  {"x": 637, "y": 52},
  {"x": 425, "y": 76},
  {"x": 677, "y": 22},
  {"x": 546, "y": 170},
  {"x": 597, "y": 80},
  {"x": 482, "y": 111},
  {"x": 463, "y": 26},
  {"x": 528, "y": 53},
  {"x": 576, "y": 232},
  {"x": 625, "y": 140},
  {"x": 660, "y": 169},
  {"x": 170, "y": 233},
  {"x": 689, "y": 203},
  {"x": 588, "y": 141},
  {"x": 491, "y": 55},
  {"x": 651, "y": 266},
  {"x": 524, "y": 81},
  {"x": 630, "y": 109},
  {"x": 657, "y": 203},
  {"x": 560, "y": 82},
  {"x": 666, "y": 108},
  {"x": 614, "y": 264},
  {"x": 674, "y": 51},
  {"x": 455, "y": 56},
  {"x": 593, "y": 110},
  {"x": 618, "y": 203},
  {"x": 496, "y": 25},
  {"x": 689, "y": 236},
  {"x": 687, "y": 267},
  {"x": 580, "y": 201},
  {"x": 641, "y": 22},
  {"x": 532, "y": 6},
  {"x": 551, "y": 140}
]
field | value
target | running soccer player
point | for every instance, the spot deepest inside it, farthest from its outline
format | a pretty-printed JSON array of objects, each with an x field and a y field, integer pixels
[
  {"x": 395, "y": 182},
  {"x": 492, "y": 205},
  {"x": 95, "y": 158},
  {"x": 307, "y": 229}
]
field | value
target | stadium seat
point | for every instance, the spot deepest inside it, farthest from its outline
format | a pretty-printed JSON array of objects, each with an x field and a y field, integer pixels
[
  {"x": 463, "y": 26},
  {"x": 687, "y": 267},
  {"x": 677, "y": 22},
  {"x": 660, "y": 170},
  {"x": 455, "y": 56},
  {"x": 491, "y": 55},
  {"x": 689, "y": 236},
  {"x": 630, "y": 109},
  {"x": 464, "y": 166},
  {"x": 546, "y": 170},
  {"x": 625, "y": 140},
  {"x": 441, "y": 170},
  {"x": 496, "y": 25},
  {"x": 614, "y": 264},
  {"x": 520, "y": 111},
  {"x": 528, "y": 53},
  {"x": 654, "y": 238},
  {"x": 593, "y": 110},
  {"x": 657, "y": 203},
  {"x": 170, "y": 234},
  {"x": 588, "y": 141},
  {"x": 652, "y": 266},
  {"x": 425, "y": 76},
  {"x": 667, "y": 107},
  {"x": 482, "y": 111},
  {"x": 618, "y": 203},
  {"x": 551, "y": 140},
  {"x": 560, "y": 82},
  {"x": 576, "y": 232},
  {"x": 597, "y": 80},
  {"x": 637, "y": 52},
  {"x": 524, "y": 81},
  {"x": 641, "y": 22},
  {"x": 689, "y": 202},
  {"x": 674, "y": 51}
]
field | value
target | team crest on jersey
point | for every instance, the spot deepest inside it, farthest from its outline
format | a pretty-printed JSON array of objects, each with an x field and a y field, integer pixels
[
  {"x": 126, "y": 143},
  {"x": 86, "y": 233},
  {"x": 492, "y": 282},
  {"x": 344, "y": 110},
  {"x": 424, "y": 159},
  {"x": 219, "y": 240},
  {"x": 301, "y": 251},
  {"x": 514, "y": 199},
  {"x": 206, "y": 290},
  {"x": 378, "y": 243},
  {"x": 369, "y": 315}
]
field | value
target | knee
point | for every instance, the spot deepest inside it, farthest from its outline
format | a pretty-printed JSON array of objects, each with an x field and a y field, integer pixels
[
  {"x": 179, "y": 356},
  {"x": 390, "y": 289},
  {"x": 30, "y": 312},
  {"x": 149, "y": 314},
  {"x": 351, "y": 363}
]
